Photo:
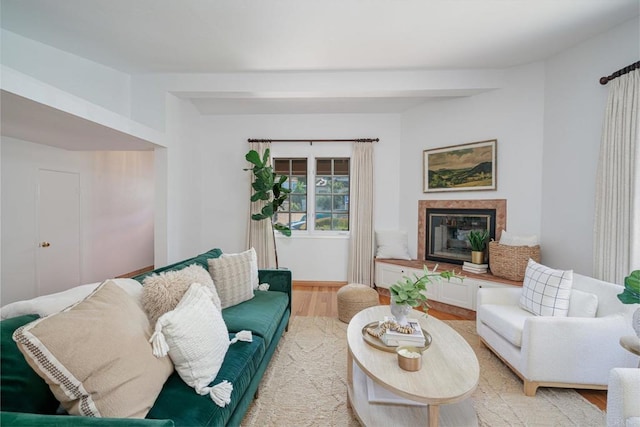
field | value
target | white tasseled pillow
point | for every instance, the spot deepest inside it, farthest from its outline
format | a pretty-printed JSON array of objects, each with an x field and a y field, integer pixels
[{"x": 196, "y": 338}]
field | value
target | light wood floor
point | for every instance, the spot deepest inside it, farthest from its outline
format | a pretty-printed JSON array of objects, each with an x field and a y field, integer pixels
[{"x": 319, "y": 299}]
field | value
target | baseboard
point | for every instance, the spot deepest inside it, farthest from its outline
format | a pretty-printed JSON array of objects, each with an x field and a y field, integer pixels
[
  {"x": 314, "y": 283},
  {"x": 135, "y": 273}
]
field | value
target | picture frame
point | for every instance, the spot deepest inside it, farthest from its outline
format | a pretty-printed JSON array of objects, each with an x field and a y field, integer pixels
[{"x": 464, "y": 167}]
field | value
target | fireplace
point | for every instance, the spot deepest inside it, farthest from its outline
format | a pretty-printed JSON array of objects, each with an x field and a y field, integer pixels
[{"x": 443, "y": 226}]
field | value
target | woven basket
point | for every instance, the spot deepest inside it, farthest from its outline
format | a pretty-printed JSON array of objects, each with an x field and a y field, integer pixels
[{"x": 510, "y": 262}]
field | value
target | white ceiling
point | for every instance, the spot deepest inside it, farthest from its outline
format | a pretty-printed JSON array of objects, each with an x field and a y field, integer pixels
[
  {"x": 240, "y": 36},
  {"x": 282, "y": 35}
]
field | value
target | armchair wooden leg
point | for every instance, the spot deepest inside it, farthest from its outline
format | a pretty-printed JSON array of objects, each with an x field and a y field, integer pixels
[{"x": 530, "y": 388}]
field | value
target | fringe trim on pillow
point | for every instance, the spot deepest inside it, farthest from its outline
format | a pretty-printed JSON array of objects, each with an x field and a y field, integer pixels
[
  {"x": 242, "y": 336},
  {"x": 158, "y": 342},
  {"x": 219, "y": 393}
]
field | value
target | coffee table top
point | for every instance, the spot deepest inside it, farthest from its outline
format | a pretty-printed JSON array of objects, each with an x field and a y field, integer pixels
[{"x": 450, "y": 369}]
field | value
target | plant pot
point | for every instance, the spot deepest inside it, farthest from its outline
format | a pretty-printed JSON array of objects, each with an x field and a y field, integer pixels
[
  {"x": 477, "y": 257},
  {"x": 400, "y": 312}
]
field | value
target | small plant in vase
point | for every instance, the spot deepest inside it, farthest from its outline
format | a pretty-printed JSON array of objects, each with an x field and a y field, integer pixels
[
  {"x": 631, "y": 295},
  {"x": 478, "y": 241},
  {"x": 409, "y": 293}
]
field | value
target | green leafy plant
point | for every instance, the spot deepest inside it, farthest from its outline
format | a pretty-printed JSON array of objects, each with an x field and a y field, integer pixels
[
  {"x": 409, "y": 291},
  {"x": 631, "y": 293},
  {"x": 269, "y": 188},
  {"x": 478, "y": 240}
]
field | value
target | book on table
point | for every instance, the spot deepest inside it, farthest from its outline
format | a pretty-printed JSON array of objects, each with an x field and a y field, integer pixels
[{"x": 394, "y": 338}]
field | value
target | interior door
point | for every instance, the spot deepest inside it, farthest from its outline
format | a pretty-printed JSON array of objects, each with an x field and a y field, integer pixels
[{"x": 58, "y": 215}]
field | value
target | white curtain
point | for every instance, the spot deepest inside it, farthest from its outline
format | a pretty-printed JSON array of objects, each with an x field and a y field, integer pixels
[
  {"x": 260, "y": 233},
  {"x": 361, "y": 244},
  {"x": 617, "y": 212}
]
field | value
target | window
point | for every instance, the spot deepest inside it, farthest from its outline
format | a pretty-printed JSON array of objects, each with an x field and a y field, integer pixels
[
  {"x": 332, "y": 194},
  {"x": 294, "y": 211},
  {"x": 327, "y": 202}
]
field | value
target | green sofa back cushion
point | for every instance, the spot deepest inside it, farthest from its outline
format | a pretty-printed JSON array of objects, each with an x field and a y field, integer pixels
[
  {"x": 200, "y": 260},
  {"x": 21, "y": 389}
]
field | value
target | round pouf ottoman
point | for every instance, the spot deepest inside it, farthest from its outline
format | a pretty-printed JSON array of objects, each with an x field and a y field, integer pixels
[{"x": 353, "y": 298}]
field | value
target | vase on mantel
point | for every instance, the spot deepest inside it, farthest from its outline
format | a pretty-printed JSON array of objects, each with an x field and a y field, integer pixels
[{"x": 400, "y": 312}]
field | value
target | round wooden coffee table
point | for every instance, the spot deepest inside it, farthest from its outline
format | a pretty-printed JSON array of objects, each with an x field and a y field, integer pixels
[{"x": 449, "y": 375}]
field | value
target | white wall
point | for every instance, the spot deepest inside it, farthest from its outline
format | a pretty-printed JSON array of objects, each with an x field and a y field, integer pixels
[
  {"x": 574, "y": 110},
  {"x": 78, "y": 76},
  {"x": 513, "y": 116},
  {"x": 225, "y": 186},
  {"x": 116, "y": 218}
]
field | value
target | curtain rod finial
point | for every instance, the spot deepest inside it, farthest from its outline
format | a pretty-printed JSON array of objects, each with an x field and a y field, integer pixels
[{"x": 604, "y": 80}]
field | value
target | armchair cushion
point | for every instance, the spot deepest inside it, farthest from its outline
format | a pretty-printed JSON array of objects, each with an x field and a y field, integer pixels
[
  {"x": 545, "y": 291},
  {"x": 506, "y": 320}
]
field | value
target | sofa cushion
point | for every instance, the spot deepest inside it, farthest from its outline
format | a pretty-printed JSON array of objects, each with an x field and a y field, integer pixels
[
  {"x": 546, "y": 291},
  {"x": 186, "y": 408},
  {"x": 506, "y": 320},
  {"x": 96, "y": 356},
  {"x": 261, "y": 315},
  {"x": 582, "y": 304},
  {"x": 235, "y": 276},
  {"x": 162, "y": 292},
  {"x": 21, "y": 389}
]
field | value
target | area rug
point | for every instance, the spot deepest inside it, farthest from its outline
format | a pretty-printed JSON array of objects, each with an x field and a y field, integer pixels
[{"x": 305, "y": 385}]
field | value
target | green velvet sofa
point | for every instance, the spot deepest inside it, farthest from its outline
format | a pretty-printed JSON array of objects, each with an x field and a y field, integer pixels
[{"x": 25, "y": 399}]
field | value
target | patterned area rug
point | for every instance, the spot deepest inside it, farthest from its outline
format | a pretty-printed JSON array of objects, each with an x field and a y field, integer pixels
[{"x": 305, "y": 385}]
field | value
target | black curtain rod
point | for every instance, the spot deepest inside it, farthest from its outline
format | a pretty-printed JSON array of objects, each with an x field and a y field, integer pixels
[
  {"x": 315, "y": 140},
  {"x": 620, "y": 72}
]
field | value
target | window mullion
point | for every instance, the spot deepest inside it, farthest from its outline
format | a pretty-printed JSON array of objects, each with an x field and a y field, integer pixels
[{"x": 311, "y": 194}]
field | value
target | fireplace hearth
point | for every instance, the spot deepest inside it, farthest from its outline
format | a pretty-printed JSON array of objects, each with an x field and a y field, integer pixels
[{"x": 443, "y": 226}]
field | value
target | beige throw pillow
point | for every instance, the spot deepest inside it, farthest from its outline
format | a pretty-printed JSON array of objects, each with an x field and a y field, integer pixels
[
  {"x": 235, "y": 276},
  {"x": 95, "y": 355},
  {"x": 162, "y": 292}
]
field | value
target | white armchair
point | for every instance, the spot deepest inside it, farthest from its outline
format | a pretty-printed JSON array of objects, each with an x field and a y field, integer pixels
[
  {"x": 544, "y": 351},
  {"x": 623, "y": 398}
]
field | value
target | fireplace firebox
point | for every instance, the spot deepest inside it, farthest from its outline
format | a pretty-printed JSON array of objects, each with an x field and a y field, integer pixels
[
  {"x": 448, "y": 230},
  {"x": 463, "y": 214}
]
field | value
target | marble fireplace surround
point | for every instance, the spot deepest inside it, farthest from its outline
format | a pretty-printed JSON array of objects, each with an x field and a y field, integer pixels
[{"x": 500, "y": 205}]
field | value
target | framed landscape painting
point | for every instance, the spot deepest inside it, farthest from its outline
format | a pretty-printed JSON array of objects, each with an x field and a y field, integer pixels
[{"x": 462, "y": 167}]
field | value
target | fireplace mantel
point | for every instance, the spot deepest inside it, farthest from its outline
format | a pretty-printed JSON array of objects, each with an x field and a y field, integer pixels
[{"x": 500, "y": 205}]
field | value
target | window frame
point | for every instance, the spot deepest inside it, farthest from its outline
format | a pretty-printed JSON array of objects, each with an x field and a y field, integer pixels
[{"x": 312, "y": 153}]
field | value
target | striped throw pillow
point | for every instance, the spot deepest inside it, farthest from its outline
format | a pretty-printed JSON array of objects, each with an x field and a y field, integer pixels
[{"x": 235, "y": 276}]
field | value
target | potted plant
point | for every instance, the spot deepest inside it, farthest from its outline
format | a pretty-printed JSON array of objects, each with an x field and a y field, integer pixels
[
  {"x": 409, "y": 293},
  {"x": 269, "y": 190},
  {"x": 478, "y": 240},
  {"x": 631, "y": 295}
]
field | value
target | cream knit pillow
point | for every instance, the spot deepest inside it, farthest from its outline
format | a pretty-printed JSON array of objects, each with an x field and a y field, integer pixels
[
  {"x": 95, "y": 355},
  {"x": 236, "y": 276},
  {"x": 162, "y": 292}
]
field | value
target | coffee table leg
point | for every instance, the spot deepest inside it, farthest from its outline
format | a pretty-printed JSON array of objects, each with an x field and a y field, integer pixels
[{"x": 434, "y": 412}]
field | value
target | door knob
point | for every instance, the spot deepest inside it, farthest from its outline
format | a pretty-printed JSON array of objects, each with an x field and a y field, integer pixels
[{"x": 45, "y": 244}]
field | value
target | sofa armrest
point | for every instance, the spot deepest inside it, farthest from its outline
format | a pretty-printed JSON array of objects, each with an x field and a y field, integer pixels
[
  {"x": 623, "y": 396},
  {"x": 25, "y": 419},
  {"x": 574, "y": 349},
  {"x": 499, "y": 296},
  {"x": 278, "y": 280}
]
